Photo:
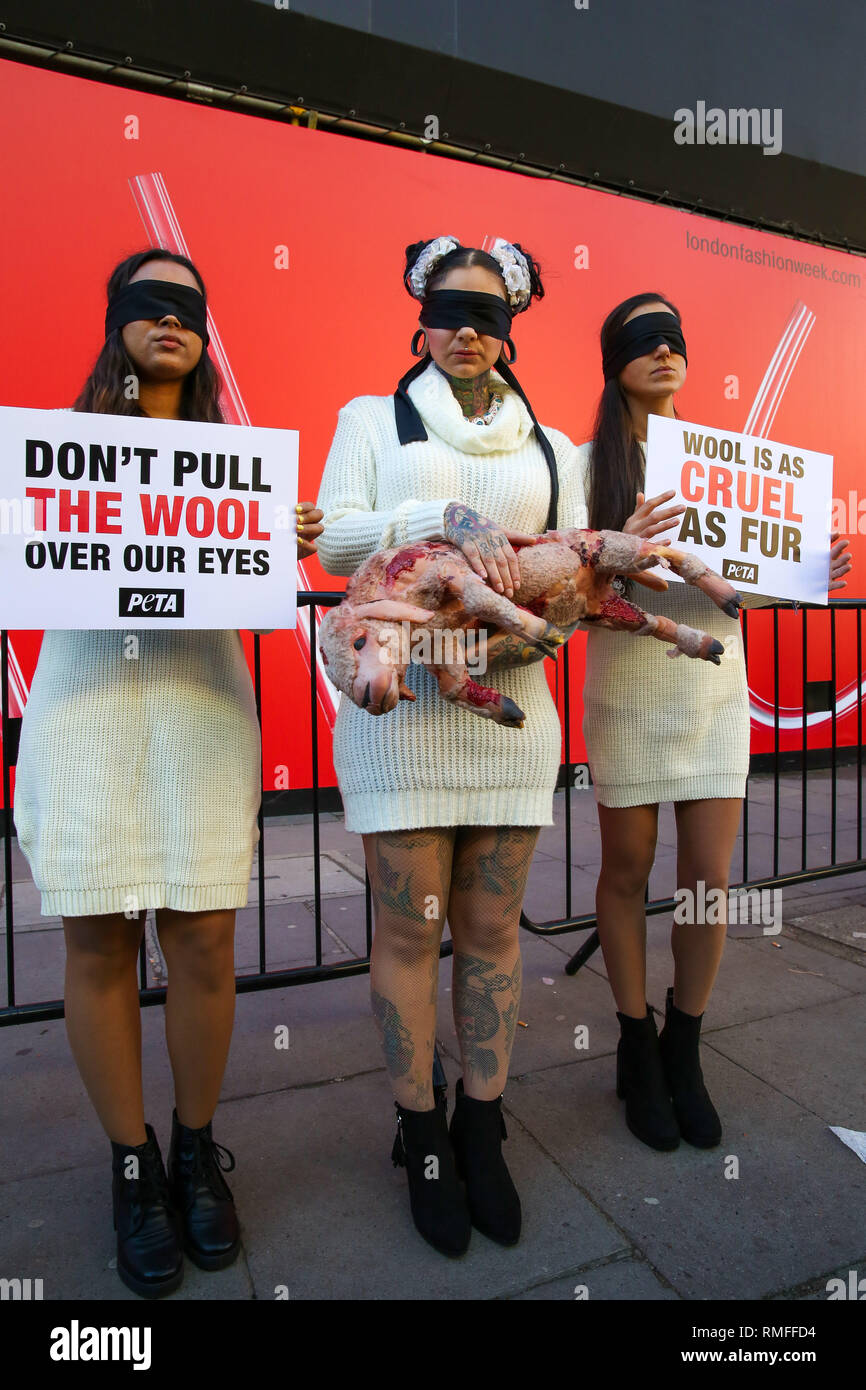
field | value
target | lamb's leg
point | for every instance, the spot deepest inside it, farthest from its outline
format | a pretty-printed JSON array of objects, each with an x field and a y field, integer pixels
[
  {"x": 457, "y": 686},
  {"x": 482, "y": 602},
  {"x": 623, "y": 553},
  {"x": 621, "y": 616}
]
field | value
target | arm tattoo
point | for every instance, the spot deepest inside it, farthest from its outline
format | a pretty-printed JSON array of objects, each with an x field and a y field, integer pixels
[
  {"x": 462, "y": 524},
  {"x": 506, "y": 650},
  {"x": 396, "y": 1038}
]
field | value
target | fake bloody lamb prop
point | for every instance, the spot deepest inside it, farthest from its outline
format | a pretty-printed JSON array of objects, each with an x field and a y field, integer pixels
[{"x": 565, "y": 578}]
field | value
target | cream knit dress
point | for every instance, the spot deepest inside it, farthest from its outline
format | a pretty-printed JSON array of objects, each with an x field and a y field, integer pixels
[
  {"x": 429, "y": 763},
  {"x": 138, "y": 780},
  {"x": 658, "y": 729}
]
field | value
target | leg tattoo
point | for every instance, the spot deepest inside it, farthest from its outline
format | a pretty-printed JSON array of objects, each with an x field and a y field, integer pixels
[
  {"x": 396, "y": 1038},
  {"x": 476, "y": 1013}
]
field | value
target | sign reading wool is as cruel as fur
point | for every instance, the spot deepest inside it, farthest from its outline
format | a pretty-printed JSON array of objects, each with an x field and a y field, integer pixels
[{"x": 756, "y": 511}]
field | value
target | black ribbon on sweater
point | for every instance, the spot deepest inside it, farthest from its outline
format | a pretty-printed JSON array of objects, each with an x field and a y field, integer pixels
[
  {"x": 459, "y": 309},
  {"x": 154, "y": 299}
]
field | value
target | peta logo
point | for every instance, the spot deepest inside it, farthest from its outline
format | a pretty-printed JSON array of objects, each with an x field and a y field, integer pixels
[
  {"x": 738, "y": 126},
  {"x": 77, "y": 1343},
  {"x": 151, "y": 603}
]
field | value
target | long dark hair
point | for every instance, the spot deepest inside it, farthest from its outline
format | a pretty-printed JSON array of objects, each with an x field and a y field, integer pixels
[
  {"x": 104, "y": 391},
  {"x": 616, "y": 470},
  {"x": 468, "y": 256}
]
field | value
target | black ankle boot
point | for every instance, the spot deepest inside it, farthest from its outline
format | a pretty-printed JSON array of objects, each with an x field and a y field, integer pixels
[
  {"x": 641, "y": 1083},
  {"x": 149, "y": 1254},
  {"x": 437, "y": 1200},
  {"x": 477, "y": 1132},
  {"x": 679, "y": 1046},
  {"x": 211, "y": 1235}
]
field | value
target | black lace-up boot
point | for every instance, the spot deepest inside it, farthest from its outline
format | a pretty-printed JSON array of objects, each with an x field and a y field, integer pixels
[
  {"x": 211, "y": 1235},
  {"x": 437, "y": 1199},
  {"x": 149, "y": 1254},
  {"x": 641, "y": 1083},
  {"x": 477, "y": 1132},
  {"x": 679, "y": 1045}
]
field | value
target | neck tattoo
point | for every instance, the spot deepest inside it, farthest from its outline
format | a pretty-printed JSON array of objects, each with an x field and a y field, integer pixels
[{"x": 473, "y": 394}]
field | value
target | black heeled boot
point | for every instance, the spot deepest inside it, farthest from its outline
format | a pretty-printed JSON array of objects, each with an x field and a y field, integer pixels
[
  {"x": 679, "y": 1045},
  {"x": 436, "y": 1197},
  {"x": 149, "y": 1254},
  {"x": 641, "y": 1083},
  {"x": 477, "y": 1131},
  {"x": 211, "y": 1235}
]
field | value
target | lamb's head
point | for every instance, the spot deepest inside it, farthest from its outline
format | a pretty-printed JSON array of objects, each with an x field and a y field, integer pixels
[{"x": 365, "y": 653}]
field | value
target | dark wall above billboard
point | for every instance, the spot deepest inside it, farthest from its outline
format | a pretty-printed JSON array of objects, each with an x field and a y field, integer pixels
[{"x": 753, "y": 110}]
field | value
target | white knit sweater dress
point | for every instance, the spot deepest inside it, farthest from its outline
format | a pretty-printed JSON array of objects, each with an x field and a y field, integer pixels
[
  {"x": 138, "y": 779},
  {"x": 429, "y": 763},
  {"x": 658, "y": 729}
]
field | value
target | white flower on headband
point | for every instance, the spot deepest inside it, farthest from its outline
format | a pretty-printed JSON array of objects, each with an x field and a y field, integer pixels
[
  {"x": 515, "y": 272},
  {"x": 427, "y": 261}
]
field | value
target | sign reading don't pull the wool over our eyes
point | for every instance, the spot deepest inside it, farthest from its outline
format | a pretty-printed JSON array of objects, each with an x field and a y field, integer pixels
[{"x": 111, "y": 521}]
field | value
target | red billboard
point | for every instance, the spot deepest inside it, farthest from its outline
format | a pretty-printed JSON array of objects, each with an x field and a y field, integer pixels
[{"x": 300, "y": 235}]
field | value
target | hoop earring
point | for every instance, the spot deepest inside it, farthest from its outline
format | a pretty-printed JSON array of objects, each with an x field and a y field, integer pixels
[
  {"x": 415, "y": 350},
  {"x": 513, "y": 350}
]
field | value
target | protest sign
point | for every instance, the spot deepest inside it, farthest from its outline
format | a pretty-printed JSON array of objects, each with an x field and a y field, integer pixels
[
  {"x": 757, "y": 512},
  {"x": 115, "y": 521}
]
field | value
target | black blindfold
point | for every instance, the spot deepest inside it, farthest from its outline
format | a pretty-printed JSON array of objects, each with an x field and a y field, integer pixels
[
  {"x": 486, "y": 313},
  {"x": 640, "y": 336},
  {"x": 153, "y": 299}
]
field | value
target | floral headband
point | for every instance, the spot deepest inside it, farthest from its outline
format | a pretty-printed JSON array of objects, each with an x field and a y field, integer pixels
[{"x": 513, "y": 264}]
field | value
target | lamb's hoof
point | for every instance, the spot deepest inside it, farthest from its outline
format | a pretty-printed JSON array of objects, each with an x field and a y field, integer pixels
[
  {"x": 733, "y": 606},
  {"x": 551, "y": 640},
  {"x": 512, "y": 714},
  {"x": 715, "y": 652}
]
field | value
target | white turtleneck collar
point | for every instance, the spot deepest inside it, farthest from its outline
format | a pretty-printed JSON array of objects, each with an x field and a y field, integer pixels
[{"x": 440, "y": 410}]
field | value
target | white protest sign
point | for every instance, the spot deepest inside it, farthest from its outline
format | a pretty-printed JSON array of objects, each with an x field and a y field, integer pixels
[
  {"x": 757, "y": 512},
  {"x": 115, "y": 521}
]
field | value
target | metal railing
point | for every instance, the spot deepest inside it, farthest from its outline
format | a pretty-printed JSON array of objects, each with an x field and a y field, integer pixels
[{"x": 15, "y": 1011}]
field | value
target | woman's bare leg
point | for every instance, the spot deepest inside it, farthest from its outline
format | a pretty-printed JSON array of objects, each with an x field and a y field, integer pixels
[
  {"x": 706, "y": 834},
  {"x": 103, "y": 1018},
  {"x": 200, "y": 1006},
  {"x": 409, "y": 875},
  {"x": 628, "y": 844},
  {"x": 488, "y": 883}
]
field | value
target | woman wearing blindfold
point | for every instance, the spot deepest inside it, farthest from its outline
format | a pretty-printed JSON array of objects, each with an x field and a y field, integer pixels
[
  {"x": 138, "y": 787},
  {"x": 450, "y": 805},
  {"x": 651, "y": 741}
]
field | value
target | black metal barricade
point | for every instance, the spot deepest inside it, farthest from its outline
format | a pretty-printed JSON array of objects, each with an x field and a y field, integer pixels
[{"x": 15, "y": 1011}]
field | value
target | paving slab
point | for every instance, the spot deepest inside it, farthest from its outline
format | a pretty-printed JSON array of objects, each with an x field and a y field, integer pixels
[
  {"x": 845, "y": 922},
  {"x": 326, "y": 1215},
  {"x": 58, "y": 1228},
  {"x": 815, "y": 1057},
  {"x": 617, "y": 1279},
  {"x": 794, "y": 1211},
  {"x": 747, "y": 986}
]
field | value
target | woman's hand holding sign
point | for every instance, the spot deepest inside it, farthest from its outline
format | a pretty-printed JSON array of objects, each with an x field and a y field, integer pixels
[
  {"x": 840, "y": 563},
  {"x": 649, "y": 517},
  {"x": 309, "y": 518}
]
